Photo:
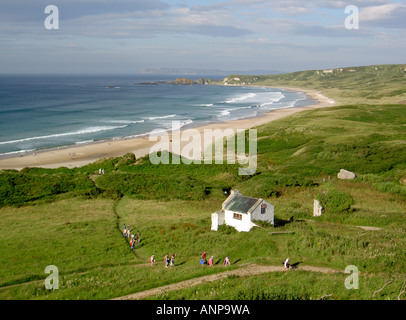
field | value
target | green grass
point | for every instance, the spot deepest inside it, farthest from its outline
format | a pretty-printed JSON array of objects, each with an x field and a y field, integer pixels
[
  {"x": 76, "y": 234},
  {"x": 83, "y": 239},
  {"x": 295, "y": 285}
]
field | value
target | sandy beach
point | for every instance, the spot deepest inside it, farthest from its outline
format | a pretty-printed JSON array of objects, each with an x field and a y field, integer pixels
[{"x": 77, "y": 156}]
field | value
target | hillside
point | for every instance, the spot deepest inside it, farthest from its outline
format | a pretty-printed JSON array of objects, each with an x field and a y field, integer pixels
[{"x": 366, "y": 84}]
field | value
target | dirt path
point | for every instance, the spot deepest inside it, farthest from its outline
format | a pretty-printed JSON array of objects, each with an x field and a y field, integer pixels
[
  {"x": 370, "y": 228},
  {"x": 248, "y": 270}
]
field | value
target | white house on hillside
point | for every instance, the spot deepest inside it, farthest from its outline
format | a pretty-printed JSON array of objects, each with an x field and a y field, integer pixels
[{"x": 239, "y": 211}]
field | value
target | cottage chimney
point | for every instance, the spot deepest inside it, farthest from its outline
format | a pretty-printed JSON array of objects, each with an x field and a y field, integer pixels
[{"x": 233, "y": 193}]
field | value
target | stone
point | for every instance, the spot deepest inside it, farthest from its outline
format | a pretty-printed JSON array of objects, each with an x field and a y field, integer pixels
[
  {"x": 344, "y": 174},
  {"x": 317, "y": 208}
]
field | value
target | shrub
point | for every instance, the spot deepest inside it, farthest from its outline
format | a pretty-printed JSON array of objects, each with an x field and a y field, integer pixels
[
  {"x": 336, "y": 201},
  {"x": 17, "y": 189}
]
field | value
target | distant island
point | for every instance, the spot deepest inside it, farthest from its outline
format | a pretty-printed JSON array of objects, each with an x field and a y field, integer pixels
[{"x": 179, "y": 81}]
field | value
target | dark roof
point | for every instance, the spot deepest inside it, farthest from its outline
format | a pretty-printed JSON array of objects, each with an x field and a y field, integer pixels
[{"x": 241, "y": 204}]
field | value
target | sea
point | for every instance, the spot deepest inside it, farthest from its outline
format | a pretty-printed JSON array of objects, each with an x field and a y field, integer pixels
[{"x": 52, "y": 111}]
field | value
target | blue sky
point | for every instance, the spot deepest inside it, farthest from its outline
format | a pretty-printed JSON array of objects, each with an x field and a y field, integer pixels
[{"x": 126, "y": 36}]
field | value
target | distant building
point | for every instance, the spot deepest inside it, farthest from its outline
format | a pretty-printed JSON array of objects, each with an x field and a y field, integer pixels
[{"x": 240, "y": 211}]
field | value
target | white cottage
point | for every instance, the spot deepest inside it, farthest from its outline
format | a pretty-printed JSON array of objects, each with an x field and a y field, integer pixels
[{"x": 239, "y": 211}]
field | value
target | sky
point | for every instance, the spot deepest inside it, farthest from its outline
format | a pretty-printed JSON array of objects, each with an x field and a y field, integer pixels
[{"x": 127, "y": 36}]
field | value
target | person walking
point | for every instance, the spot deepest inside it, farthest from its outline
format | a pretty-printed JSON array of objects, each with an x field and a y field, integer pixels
[
  {"x": 125, "y": 232},
  {"x": 166, "y": 260},
  {"x": 173, "y": 260},
  {"x": 286, "y": 264},
  {"x": 227, "y": 261},
  {"x": 211, "y": 261},
  {"x": 128, "y": 232},
  {"x": 138, "y": 237},
  {"x": 152, "y": 260},
  {"x": 203, "y": 257}
]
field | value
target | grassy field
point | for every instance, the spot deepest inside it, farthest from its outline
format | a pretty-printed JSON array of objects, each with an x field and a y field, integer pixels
[{"x": 73, "y": 218}]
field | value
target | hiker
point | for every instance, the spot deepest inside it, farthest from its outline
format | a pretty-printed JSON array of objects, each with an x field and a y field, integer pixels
[
  {"x": 203, "y": 257},
  {"x": 166, "y": 260},
  {"x": 125, "y": 232},
  {"x": 138, "y": 237},
  {"x": 128, "y": 232},
  {"x": 211, "y": 261},
  {"x": 173, "y": 260},
  {"x": 132, "y": 243},
  {"x": 286, "y": 264},
  {"x": 227, "y": 261},
  {"x": 152, "y": 260}
]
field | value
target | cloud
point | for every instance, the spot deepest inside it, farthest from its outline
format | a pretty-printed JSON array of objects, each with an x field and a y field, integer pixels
[
  {"x": 222, "y": 31},
  {"x": 29, "y": 10},
  {"x": 295, "y": 11},
  {"x": 307, "y": 4},
  {"x": 124, "y": 19},
  {"x": 156, "y": 22},
  {"x": 258, "y": 40},
  {"x": 391, "y": 15}
]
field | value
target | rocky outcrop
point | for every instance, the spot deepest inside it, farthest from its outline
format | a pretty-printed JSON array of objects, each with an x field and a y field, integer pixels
[
  {"x": 182, "y": 81},
  {"x": 317, "y": 208},
  {"x": 345, "y": 174},
  {"x": 149, "y": 83},
  {"x": 204, "y": 81}
]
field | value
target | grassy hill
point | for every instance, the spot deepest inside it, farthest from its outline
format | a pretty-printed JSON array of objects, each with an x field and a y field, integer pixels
[
  {"x": 73, "y": 218},
  {"x": 366, "y": 84}
]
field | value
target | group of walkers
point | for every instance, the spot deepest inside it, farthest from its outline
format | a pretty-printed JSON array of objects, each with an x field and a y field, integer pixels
[
  {"x": 203, "y": 261},
  {"x": 133, "y": 238},
  {"x": 169, "y": 261}
]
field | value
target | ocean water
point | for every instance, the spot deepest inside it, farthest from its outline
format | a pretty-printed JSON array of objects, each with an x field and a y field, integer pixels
[{"x": 41, "y": 112}]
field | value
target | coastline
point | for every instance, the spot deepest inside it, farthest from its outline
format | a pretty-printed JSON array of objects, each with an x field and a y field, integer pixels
[{"x": 77, "y": 156}]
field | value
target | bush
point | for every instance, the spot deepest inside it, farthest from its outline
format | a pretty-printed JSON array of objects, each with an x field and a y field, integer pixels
[
  {"x": 336, "y": 201},
  {"x": 17, "y": 189}
]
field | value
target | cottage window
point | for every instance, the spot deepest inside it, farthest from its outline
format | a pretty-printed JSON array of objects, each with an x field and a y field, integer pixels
[
  {"x": 263, "y": 208},
  {"x": 237, "y": 216}
]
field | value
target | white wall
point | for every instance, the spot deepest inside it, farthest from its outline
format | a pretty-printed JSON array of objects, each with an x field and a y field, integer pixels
[
  {"x": 217, "y": 219},
  {"x": 268, "y": 216},
  {"x": 239, "y": 225}
]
